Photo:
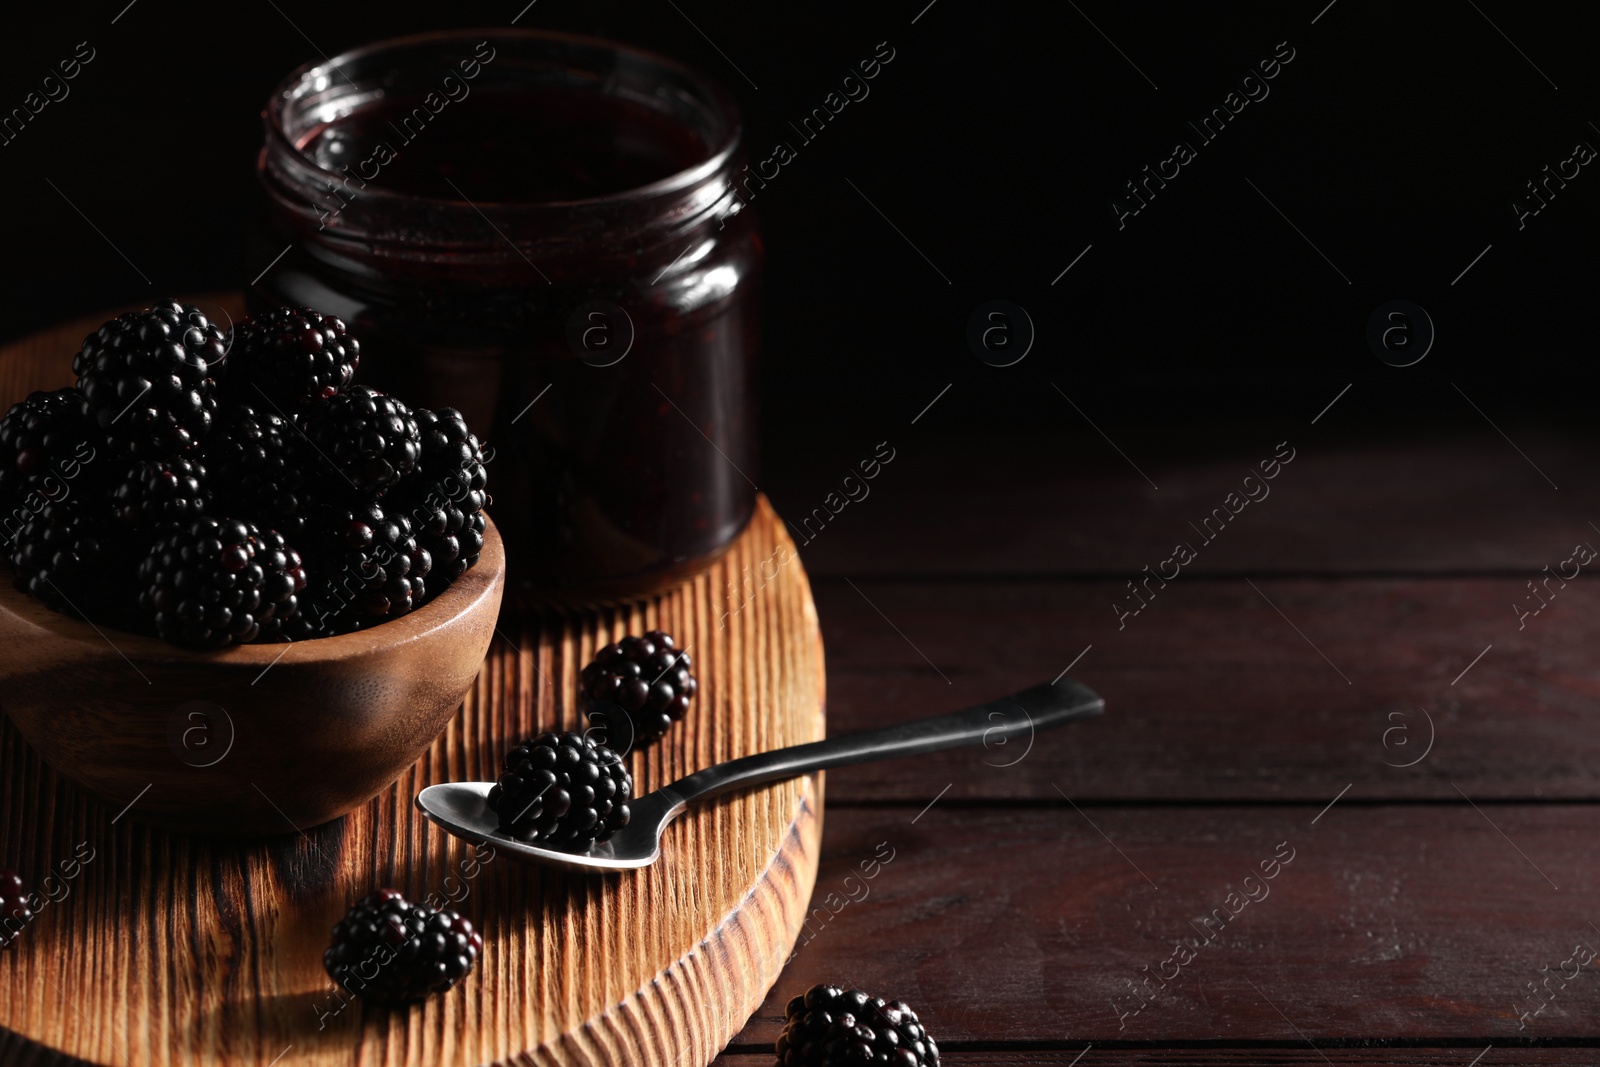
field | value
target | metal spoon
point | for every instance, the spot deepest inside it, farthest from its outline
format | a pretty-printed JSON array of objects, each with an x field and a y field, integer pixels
[{"x": 461, "y": 808}]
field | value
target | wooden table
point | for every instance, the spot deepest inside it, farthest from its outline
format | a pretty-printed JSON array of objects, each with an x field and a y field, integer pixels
[{"x": 1264, "y": 704}]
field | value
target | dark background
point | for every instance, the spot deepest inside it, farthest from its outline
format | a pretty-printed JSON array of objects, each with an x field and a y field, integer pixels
[{"x": 995, "y": 141}]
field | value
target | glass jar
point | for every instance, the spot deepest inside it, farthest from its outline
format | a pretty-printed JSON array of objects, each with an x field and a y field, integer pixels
[{"x": 543, "y": 231}]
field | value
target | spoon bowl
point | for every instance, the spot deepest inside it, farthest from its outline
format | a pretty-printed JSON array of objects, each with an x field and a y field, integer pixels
[{"x": 462, "y": 808}]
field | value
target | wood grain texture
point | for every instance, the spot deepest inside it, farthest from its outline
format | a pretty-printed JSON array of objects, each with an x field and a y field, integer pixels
[
  {"x": 1214, "y": 697},
  {"x": 166, "y": 949},
  {"x": 1357, "y": 498},
  {"x": 1028, "y": 925}
]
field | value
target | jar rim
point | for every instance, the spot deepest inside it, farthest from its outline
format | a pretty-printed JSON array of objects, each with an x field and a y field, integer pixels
[{"x": 722, "y": 105}]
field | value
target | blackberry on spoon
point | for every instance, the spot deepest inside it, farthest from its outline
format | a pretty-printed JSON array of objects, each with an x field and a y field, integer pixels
[{"x": 562, "y": 790}]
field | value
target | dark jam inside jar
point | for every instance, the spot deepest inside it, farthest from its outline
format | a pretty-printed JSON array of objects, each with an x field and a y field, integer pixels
[
  {"x": 521, "y": 145},
  {"x": 551, "y": 244}
]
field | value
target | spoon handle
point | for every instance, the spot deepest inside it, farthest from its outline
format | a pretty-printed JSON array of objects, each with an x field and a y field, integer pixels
[{"x": 1042, "y": 706}]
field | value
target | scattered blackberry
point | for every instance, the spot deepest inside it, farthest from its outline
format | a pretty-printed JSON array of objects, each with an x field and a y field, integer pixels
[
  {"x": 156, "y": 492},
  {"x": 646, "y": 678},
  {"x": 258, "y": 466},
  {"x": 391, "y": 951},
  {"x": 15, "y": 914},
  {"x": 369, "y": 567},
  {"x": 145, "y": 378},
  {"x": 371, "y": 438},
  {"x": 43, "y": 436},
  {"x": 562, "y": 790},
  {"x": 833, "y": 1027},
  {"x": 292, "y": 356},
  {"x": 217, "y": 582},
  {"x": 71, "y": 556}
]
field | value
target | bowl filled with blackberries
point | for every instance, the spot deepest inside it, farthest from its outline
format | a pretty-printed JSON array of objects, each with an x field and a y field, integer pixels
[{"x": 246, "y": 590}]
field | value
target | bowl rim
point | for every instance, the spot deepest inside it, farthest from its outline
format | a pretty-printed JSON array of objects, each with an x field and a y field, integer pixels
[{"x": 481, "y": 583}]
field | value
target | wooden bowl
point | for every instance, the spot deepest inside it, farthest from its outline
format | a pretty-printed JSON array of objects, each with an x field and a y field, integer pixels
[{"x": 251, "y": 740}]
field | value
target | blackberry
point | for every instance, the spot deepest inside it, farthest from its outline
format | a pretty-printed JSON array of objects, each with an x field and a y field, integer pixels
[
  {"x": 258, "y": 463},
  {"x": 833, "y": 1027},
  {"x": 371, "y": 438},
  {"x": 45, "y": 442},
  {"x": 292, "y": 356},
  {"x": 453, "y": 554},
  {"x": 390, "y": 951},
  {"x": 71, "y": 556},
  {"x": 146, "y": 378},
  {"x": 279, "y": 561},
  {"x": 562, "y": 790},
  {"x": 156, "y": 492},
  {"x": 445, "y": 496},
  {"x": 15, "y": 914},
  {"x": 369, "y": 568},
  {"x": 308, "y": 625},
  {"x": 217, "y": 582},
  {"x": 646, "y": 678},
  {"x": 450, "y": 451}
]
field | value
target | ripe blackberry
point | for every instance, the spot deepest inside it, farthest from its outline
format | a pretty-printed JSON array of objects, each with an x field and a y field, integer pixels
[
  {"x": 445, "y": 496},
  {"x": 45, "y": 442},
  {"x": 833, "y": 1027},
  {"x": 371, "y": 438},
  {"x": 71, "y": 556},
  {"x": 151, "y": 493},
  {"x": 15, "y": 915},
  {"x": 279, "y": 562},
  {"x": 369, "y": 567},
  {"x": 450, "y": 451},
  {"x": 391, "y": 951},
  {"x": 292, "y": 356},
  {"x": 646, "y": 678},
  {"x": 454, "y": 553},
  {"x": 562, "y": 790},
  {"x": 307, "y": 625},
  {"x": 146, "y": 378},
  {"x": 217, "y": 582},
  {"x": 258, "y": 465}
]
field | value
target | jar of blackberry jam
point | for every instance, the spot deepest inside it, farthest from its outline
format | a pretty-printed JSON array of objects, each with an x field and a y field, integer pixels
[{"x": 545, "y": 232}]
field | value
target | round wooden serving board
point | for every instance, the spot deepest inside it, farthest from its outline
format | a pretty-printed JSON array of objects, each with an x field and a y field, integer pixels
[{"x": 157, "y": 948}]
